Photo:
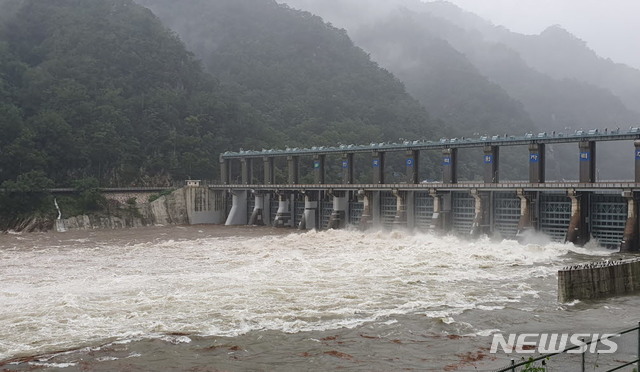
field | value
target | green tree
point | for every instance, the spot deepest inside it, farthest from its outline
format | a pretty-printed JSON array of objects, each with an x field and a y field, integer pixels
[
  {"x": 89, "y": 198},
  {"x": 28, "y": 193}
]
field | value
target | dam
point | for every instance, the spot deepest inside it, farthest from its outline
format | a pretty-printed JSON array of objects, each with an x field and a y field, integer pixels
[{"x": 567, "y": 211}]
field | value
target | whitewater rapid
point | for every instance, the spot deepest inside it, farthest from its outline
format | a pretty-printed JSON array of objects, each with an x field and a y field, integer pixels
[{"x": 67, "y": 291}]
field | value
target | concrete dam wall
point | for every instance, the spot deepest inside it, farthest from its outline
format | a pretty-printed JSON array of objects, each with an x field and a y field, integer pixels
[{"x": 599, "y": 280}]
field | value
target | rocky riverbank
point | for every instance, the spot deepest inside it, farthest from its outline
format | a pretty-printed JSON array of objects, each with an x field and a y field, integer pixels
[{"x": 172, "y": 209}]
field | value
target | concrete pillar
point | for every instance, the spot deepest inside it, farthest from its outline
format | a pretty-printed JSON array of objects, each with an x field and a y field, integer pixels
[
  {"x": 400, "y": 219},
  {"x": 247, "y": 170},
  {"x": 438, "y": 219},
  {"x": 309, "y": 220},
  {"x": 587, "y": 161},
  {"x": 318, "y": 169},
  {"x": 376, "y": 210},
  {"x": 491, "y": 164},
  {"x": 525, "y": 222},
  {"x": 630, "y": 242},
  {"x": 578, "y": 232},
  {"x": 482, "y": 208},
  {"x": 537, "y": 163},
  {"x": 366, "y": 220},
  {"x": 338, "y": 219},
  {"x": 347, "y": 168},
  {"x": 257, "y": 216},
  {"x": 637, "y": 145},
  {"x": 377, "y": 163},
  {"x": 269, "y": 171},
  {"x": 266, "y": 209},
  {"x": 412, "y": 159},
  {"x": 225, "y": 171},
  {"x": 283, "y": 216},
  {"x": 410, "y": 208},
  {"x": 238, "y": 214},
  {"x": 450, "y": 166},
  {"x": 293, "y": 163}
]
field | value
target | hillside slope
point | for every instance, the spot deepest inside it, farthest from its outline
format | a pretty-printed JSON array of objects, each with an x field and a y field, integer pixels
[
  {"x": 306, "y": 77},
  {"x": 100, "y": 88},
  {"x": 453, "y": 62}
]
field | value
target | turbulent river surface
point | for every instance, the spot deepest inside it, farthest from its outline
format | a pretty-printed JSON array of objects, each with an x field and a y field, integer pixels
[{"x": 211, "y": 298}]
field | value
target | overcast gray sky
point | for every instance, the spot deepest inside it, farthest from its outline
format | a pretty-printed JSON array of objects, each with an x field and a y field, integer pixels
[{"x": 610, "y": 27}]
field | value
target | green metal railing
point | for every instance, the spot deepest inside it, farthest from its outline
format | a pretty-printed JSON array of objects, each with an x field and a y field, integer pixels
[{"x": 530, "y": 364}]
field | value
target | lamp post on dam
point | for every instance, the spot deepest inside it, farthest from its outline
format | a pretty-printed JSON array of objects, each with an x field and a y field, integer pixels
[{"x": 567, "y": 211}]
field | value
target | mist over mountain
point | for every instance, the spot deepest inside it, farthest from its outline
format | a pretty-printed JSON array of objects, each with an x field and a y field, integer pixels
[
  {"x": 555, "y": 52},
  {"x": 311, "y": 84},
  {"x": 461, "y": 68},
  {"x": 305, "y": 76}
]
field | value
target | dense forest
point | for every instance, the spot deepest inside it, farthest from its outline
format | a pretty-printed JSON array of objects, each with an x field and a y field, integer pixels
[
  {"x": 308, "y": 80},
  {"x": 102, "y": 90},
  {"x": 150, "y": 92}
]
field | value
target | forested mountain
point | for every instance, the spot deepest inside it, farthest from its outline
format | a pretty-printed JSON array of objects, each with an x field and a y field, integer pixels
[
  {"x": 101, "y": 88},
  {"x": 306, "y": 77},
  {"x": 561, "y": 82},
  {"x": 442, "y": 78},
  {"x": 106, "y": 89},
  {"x": 555, "y": 52},
  {"x": 461, "y": 68}
]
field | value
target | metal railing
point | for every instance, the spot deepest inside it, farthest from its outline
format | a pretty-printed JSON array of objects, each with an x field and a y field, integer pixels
[
  {"x": 529, "y": 138},
  {"x": 530, "y": 364},
  {"x": 581, "y": 186}
]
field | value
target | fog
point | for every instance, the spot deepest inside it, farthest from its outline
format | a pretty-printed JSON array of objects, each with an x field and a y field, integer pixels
[
  {"x": 610, "y": 28},
  {"x": 502, "y": 67}
]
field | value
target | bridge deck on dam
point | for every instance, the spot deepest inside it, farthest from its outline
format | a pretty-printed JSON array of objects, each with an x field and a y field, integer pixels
[
  {"x": 543, "y": 138},
  {"x": 582, "y": 186}
]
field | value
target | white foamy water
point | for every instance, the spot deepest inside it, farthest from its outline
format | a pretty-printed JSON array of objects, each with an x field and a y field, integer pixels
[{"x": 88, "y": 290}]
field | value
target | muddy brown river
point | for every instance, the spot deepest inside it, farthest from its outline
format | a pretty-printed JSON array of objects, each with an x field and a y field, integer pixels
[{"x": 212, "y": 298}]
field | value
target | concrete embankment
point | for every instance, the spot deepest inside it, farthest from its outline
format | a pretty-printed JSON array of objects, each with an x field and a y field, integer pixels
[{"x": 599, "y": 280}]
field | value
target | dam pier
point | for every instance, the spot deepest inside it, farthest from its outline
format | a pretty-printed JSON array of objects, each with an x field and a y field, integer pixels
[{"x": 575, "y": 211}]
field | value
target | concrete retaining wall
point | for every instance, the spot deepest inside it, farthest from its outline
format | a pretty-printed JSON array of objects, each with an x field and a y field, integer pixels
[{"x": 599, "y": 280}]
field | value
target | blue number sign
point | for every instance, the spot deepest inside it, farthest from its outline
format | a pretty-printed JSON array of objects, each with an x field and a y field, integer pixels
[{"x": 534, "y": 158}]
